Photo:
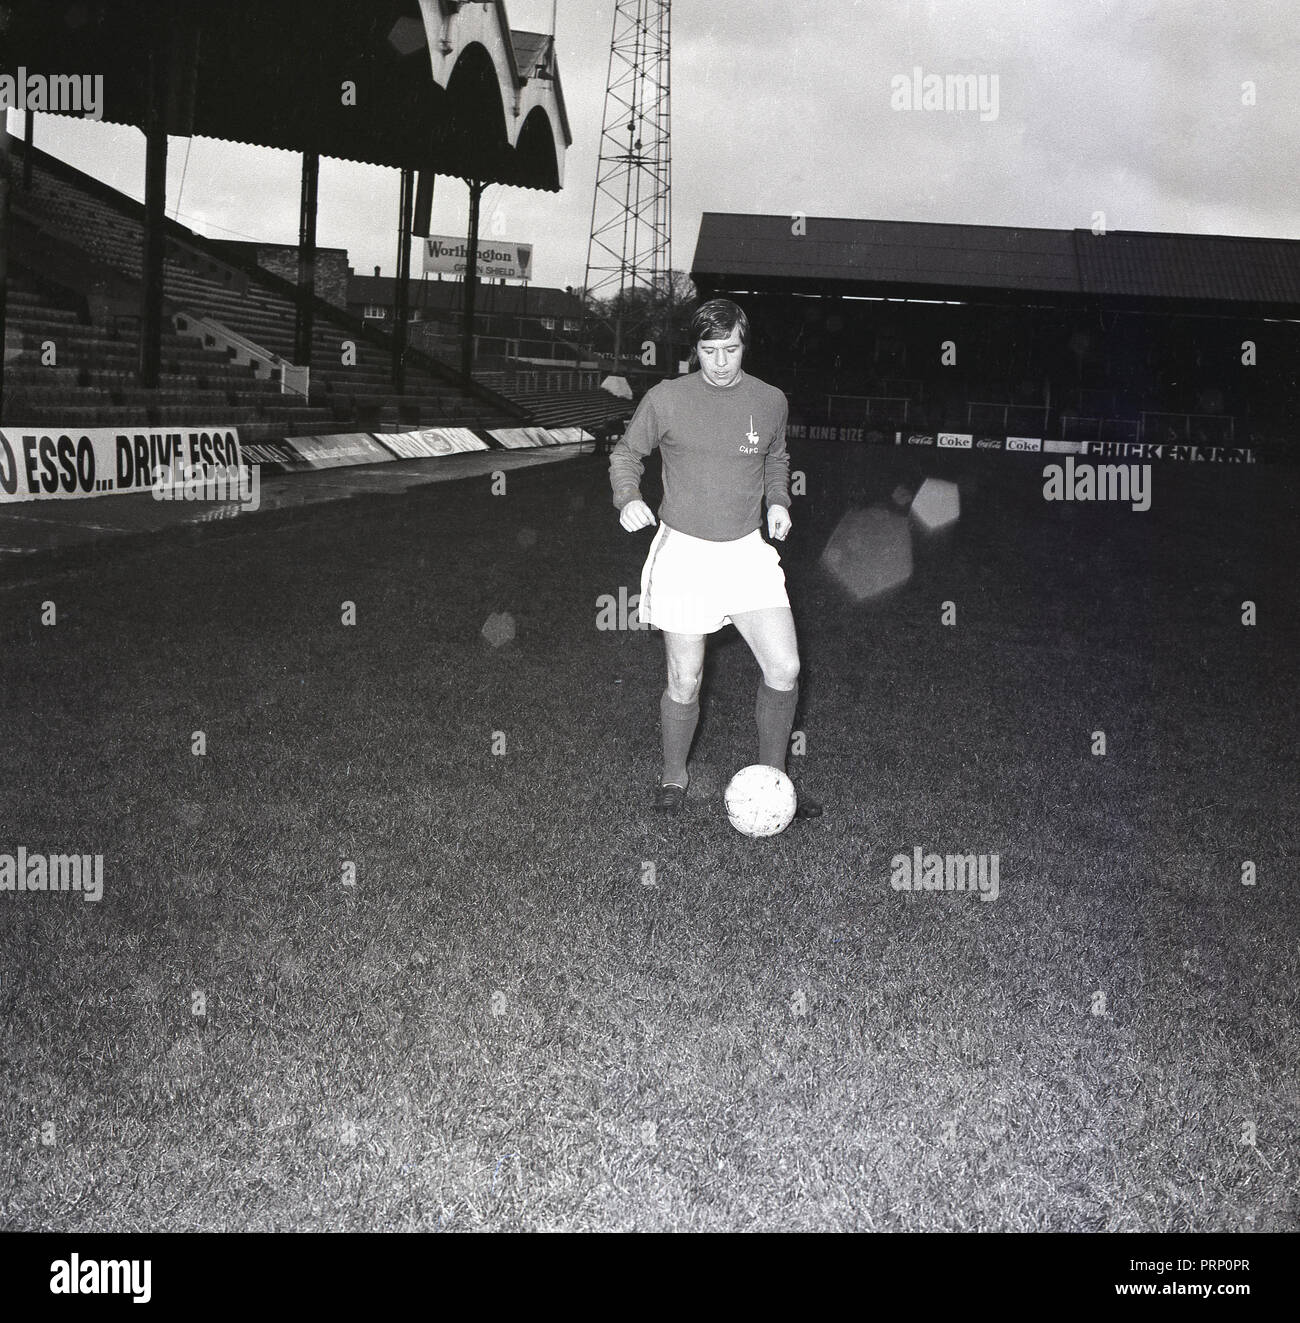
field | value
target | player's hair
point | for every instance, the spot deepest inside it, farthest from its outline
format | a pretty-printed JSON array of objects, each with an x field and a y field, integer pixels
[{"x": 716, "y": 319}]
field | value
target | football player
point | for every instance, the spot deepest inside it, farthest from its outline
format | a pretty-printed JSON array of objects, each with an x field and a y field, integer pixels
[{"x": 721, "y": 438}]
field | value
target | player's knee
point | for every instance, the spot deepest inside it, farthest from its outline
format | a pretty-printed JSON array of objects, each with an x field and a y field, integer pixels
[
  {"x": 684, "y": 686},
  {"x": 783, "y": 673}
]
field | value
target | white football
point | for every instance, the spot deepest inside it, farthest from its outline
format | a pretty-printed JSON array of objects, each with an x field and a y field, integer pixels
[{"x": 760, "y": 800}]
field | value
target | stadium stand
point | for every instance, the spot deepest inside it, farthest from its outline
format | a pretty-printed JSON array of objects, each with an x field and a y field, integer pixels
[
  {"x": 587, "y": 408},
  {"x": 1115, "y": 337},
  {"x": 525, "y": 344},
  {"x": 91, "y": 381},
  {"x": 76, "y": 268}
]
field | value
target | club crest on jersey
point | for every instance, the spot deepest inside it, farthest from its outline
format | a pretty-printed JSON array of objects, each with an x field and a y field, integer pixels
[{"x": 752, "y": 437}]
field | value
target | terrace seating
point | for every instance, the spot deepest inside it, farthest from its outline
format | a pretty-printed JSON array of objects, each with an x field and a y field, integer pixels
[
  {"x": 580, "y": 408},
  {"x": 62, "y": 370},
  {"x": 350, "y": 380}
]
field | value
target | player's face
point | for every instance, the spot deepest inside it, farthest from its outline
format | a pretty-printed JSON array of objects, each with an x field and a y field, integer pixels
[{"x": 720, "y": 359}]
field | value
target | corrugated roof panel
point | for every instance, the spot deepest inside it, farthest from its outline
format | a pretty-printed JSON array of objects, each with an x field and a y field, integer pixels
[
  {"x": 957, "y": 257},
  {"x": 885, "y": 251},
  {"x": 1190, "y": 266},
  {"x": 290, "y": 58}
]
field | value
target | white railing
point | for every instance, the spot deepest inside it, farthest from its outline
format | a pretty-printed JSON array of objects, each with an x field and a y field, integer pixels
[
  {"x": 212, "y": 334},
  {"x": 294, "y": 380},
  {"x": 866, "y": 408},
  {"x": 1001, "y": 414},
  {"x": 1182, "y": 427},
  {"x": 1081, "y": 427}
]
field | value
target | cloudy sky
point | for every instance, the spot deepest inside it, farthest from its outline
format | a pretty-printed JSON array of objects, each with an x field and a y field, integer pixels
[{"x": 1134, "y": 108}]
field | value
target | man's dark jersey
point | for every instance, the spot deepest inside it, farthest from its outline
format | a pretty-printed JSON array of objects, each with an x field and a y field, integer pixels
[{"x": 723, "y": 451}]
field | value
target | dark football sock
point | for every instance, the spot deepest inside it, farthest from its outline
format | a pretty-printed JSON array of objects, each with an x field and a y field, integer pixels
[
  {"x": 775, "y": 713},
  {"x": 677, "y": 721}
]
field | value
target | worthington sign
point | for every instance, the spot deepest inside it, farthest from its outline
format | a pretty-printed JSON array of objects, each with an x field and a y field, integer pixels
[{"x": 497, "y": 260}]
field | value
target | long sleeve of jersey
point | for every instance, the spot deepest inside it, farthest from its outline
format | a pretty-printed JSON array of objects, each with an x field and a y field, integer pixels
[
  {"x": 627, "y": 458},
  {"x": 776, "y": 463}
]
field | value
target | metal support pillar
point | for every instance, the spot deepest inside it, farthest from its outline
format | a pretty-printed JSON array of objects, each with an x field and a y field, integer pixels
[
  {"x": 305, "y": 321},
  {"x": 155, "y": 202},
  {"x": 471, "y": 282}
]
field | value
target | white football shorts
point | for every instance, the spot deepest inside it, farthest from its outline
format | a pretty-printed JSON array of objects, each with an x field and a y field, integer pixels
[{"x": 690, "y": 585}]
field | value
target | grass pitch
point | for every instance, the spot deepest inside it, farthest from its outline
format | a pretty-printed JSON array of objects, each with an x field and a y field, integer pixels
[{"x": 405, "y": 948}]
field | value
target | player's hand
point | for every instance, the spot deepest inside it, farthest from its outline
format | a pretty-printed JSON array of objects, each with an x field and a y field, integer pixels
[
  {"x": 778, "y": 522},
  {"x": 635, "y": 515}
]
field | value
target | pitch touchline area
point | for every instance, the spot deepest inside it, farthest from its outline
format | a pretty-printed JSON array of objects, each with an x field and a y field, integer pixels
[{"x": 34, "y": 526}]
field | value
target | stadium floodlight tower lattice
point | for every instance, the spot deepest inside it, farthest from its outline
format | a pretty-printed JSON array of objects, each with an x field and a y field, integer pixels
[{"x": 629, "y": 254}]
